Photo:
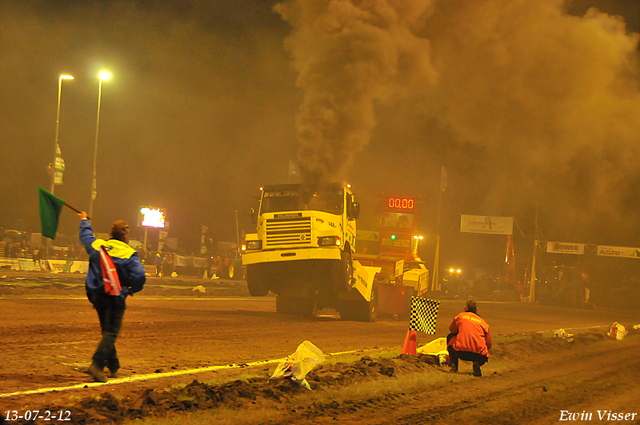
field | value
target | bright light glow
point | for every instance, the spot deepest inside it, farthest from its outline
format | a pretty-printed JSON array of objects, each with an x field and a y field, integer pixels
[
  {"x": 458, "y": 271},
  {"x": 418, "y": 237},
  {"x": 451, "y": 270},
  {"x": 153, "y": 217},
  {"x": 66, "y": 77},
  {"x": 393, "y": 237},
  {"x": 104, "y": 75}
]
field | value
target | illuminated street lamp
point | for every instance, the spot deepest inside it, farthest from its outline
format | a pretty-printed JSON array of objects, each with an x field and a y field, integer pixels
[
  {"x": 104, "y": 75},
  {"x": 55, "y": 147}
]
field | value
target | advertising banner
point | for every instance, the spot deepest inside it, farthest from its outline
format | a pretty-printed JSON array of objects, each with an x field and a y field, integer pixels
[
  {"x": 28, "y": 265},
  {"x": 59, "y": 266},
  {"x": 9, "y": 263},
  {"x": 67, "y": 266},
  {"x": 565, "y": 248},
  {"x": 200, "y": 262},
  {"x": 182, "y": 261},
  {"x": 618, "y": 251},
  {"x": 486, "y": 224},
  {"x": 58, "y": 167}
]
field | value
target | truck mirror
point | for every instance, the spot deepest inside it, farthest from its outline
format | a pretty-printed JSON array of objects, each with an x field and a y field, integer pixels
[
  {"x": 355, "y": 211},
  {"x": 254, "y": 215}
]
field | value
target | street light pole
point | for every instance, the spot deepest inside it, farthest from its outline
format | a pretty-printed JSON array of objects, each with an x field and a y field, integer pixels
[
  {"x": 103, "y": 76},
  {"x": 55, "y": 147},
  {"x": 435, "y": 285}
]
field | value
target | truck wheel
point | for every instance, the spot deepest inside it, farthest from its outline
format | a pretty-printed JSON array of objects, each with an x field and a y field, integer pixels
[
  {"x": 305, "y": 307},
  {"x": 361, "y": 310},
  {"x": 255, "y": 283},
  {"x": 344, "y": 272},
  {"x": 284, "y": 305},
  {"x": 369, "y": 310},
  {"x": 231, "y": 271}
]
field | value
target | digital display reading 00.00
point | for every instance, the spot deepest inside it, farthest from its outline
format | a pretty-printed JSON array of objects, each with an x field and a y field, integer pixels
[{"x": 401, "y": 203}]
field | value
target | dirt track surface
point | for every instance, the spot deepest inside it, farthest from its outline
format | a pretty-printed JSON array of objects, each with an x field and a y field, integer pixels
[{"x": 49, "y": 334}]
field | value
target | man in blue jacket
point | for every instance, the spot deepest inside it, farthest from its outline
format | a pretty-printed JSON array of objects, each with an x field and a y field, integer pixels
[{"x": 110, "y": 308}]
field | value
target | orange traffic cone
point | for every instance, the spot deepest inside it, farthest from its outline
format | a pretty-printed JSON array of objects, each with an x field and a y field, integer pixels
[
  {"x": 409, "y": 346},
  {"x": 405, "y": 346},
  {"x": 412, "y": 343}
]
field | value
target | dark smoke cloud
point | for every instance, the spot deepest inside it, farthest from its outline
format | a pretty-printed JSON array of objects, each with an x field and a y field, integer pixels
[
  {"x": 551, "y": 99},
  {"x": 350, "y": 55},
  {"x": 524, "y": 102}
]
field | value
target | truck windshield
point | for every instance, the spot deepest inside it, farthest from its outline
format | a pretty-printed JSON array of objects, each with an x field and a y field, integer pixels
[{"x": 326, "y": 200}]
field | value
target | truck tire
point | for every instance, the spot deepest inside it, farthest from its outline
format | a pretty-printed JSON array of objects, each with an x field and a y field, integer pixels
[
  {"x": 284, "y": 305},
  {"x": 304, "y": 307},
  {"x": 231, "y": 271},
  {"x": 369, "y": 310},
  {"x": 361, "y": 310},
  {"x": 255, "y": 282},
  {"x": 239, "y": 272},
  {"x": 344, "y": 271}
]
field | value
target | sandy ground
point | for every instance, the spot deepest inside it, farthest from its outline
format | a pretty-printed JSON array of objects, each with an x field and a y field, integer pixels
[{"x": 173, "y": 334}]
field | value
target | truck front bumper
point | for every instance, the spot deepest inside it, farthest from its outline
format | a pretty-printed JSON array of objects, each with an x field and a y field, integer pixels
[{"x": 290, "y": 255}]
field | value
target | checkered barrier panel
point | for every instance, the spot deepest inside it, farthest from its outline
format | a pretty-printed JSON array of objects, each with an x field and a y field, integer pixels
[{"x": 424, "y": 313}]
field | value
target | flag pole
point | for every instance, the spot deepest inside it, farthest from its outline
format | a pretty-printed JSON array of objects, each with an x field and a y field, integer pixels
[{"x": 75, "y": 209}]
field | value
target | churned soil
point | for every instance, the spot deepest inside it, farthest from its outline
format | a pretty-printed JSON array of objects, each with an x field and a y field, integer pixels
[{"x": 223, "y": 349}]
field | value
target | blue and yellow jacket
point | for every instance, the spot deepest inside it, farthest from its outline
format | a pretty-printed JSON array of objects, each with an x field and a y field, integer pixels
[{"x": 125, "y": 258}]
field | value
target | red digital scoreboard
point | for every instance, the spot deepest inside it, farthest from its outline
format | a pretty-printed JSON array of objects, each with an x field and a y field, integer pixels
[{"x": 401, "y": 203}]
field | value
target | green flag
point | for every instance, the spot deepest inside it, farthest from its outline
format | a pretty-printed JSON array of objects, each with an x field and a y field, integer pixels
[{"x": 50, "y": 207}]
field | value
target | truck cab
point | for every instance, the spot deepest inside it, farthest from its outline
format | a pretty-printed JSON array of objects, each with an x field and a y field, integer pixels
[{"x": 302, "y": 249}]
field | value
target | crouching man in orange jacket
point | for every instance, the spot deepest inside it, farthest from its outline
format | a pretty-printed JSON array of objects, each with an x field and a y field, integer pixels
[{"x": 469, "y": 339}]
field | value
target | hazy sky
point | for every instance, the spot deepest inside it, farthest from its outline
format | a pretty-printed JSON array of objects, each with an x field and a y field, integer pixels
[{"x": 522, "y": 102}]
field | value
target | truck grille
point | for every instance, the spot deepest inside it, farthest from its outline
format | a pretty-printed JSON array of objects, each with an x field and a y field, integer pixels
[{"x": 288, "y": 231}]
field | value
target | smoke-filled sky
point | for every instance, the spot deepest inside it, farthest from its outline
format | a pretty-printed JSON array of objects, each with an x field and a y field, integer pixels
[{"x": 524, "y": 103}]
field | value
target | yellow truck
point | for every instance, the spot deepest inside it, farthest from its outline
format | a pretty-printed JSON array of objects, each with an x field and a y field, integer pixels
[{"x": 303, "y": 249}]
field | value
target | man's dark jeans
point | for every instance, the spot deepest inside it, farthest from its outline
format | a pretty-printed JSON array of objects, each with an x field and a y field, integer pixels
[
  {"x": 454, "y": 355},
  {"x": 110, "y": 312}
]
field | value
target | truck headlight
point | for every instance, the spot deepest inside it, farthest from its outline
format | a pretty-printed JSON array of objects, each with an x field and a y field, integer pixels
[
  {"x": 329, "y": 241},
  {"x": 253, "y": 245}
]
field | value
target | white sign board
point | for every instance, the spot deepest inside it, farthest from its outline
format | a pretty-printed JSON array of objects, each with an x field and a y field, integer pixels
[
  {"x": 618, "y": 251},
  {"x": 486, "y": 224},
  {"x": 565, "y": 248}
]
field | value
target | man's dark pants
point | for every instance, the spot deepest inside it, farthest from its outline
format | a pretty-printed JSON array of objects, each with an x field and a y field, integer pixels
[
  {"x": 454, "y": 355},
  {"x": 110, "y": 312}
]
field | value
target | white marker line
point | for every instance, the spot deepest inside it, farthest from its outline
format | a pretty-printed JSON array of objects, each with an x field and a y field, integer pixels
[
  {"x": 156, "y": 376},
  {"x": 64, "y": 297},
  {"x": 137, "y": 378},
  {"x": 572, "y": 329}
]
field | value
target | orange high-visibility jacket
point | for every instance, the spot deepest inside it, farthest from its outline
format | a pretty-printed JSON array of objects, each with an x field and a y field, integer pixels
[{"x": 472, "y": 334}]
